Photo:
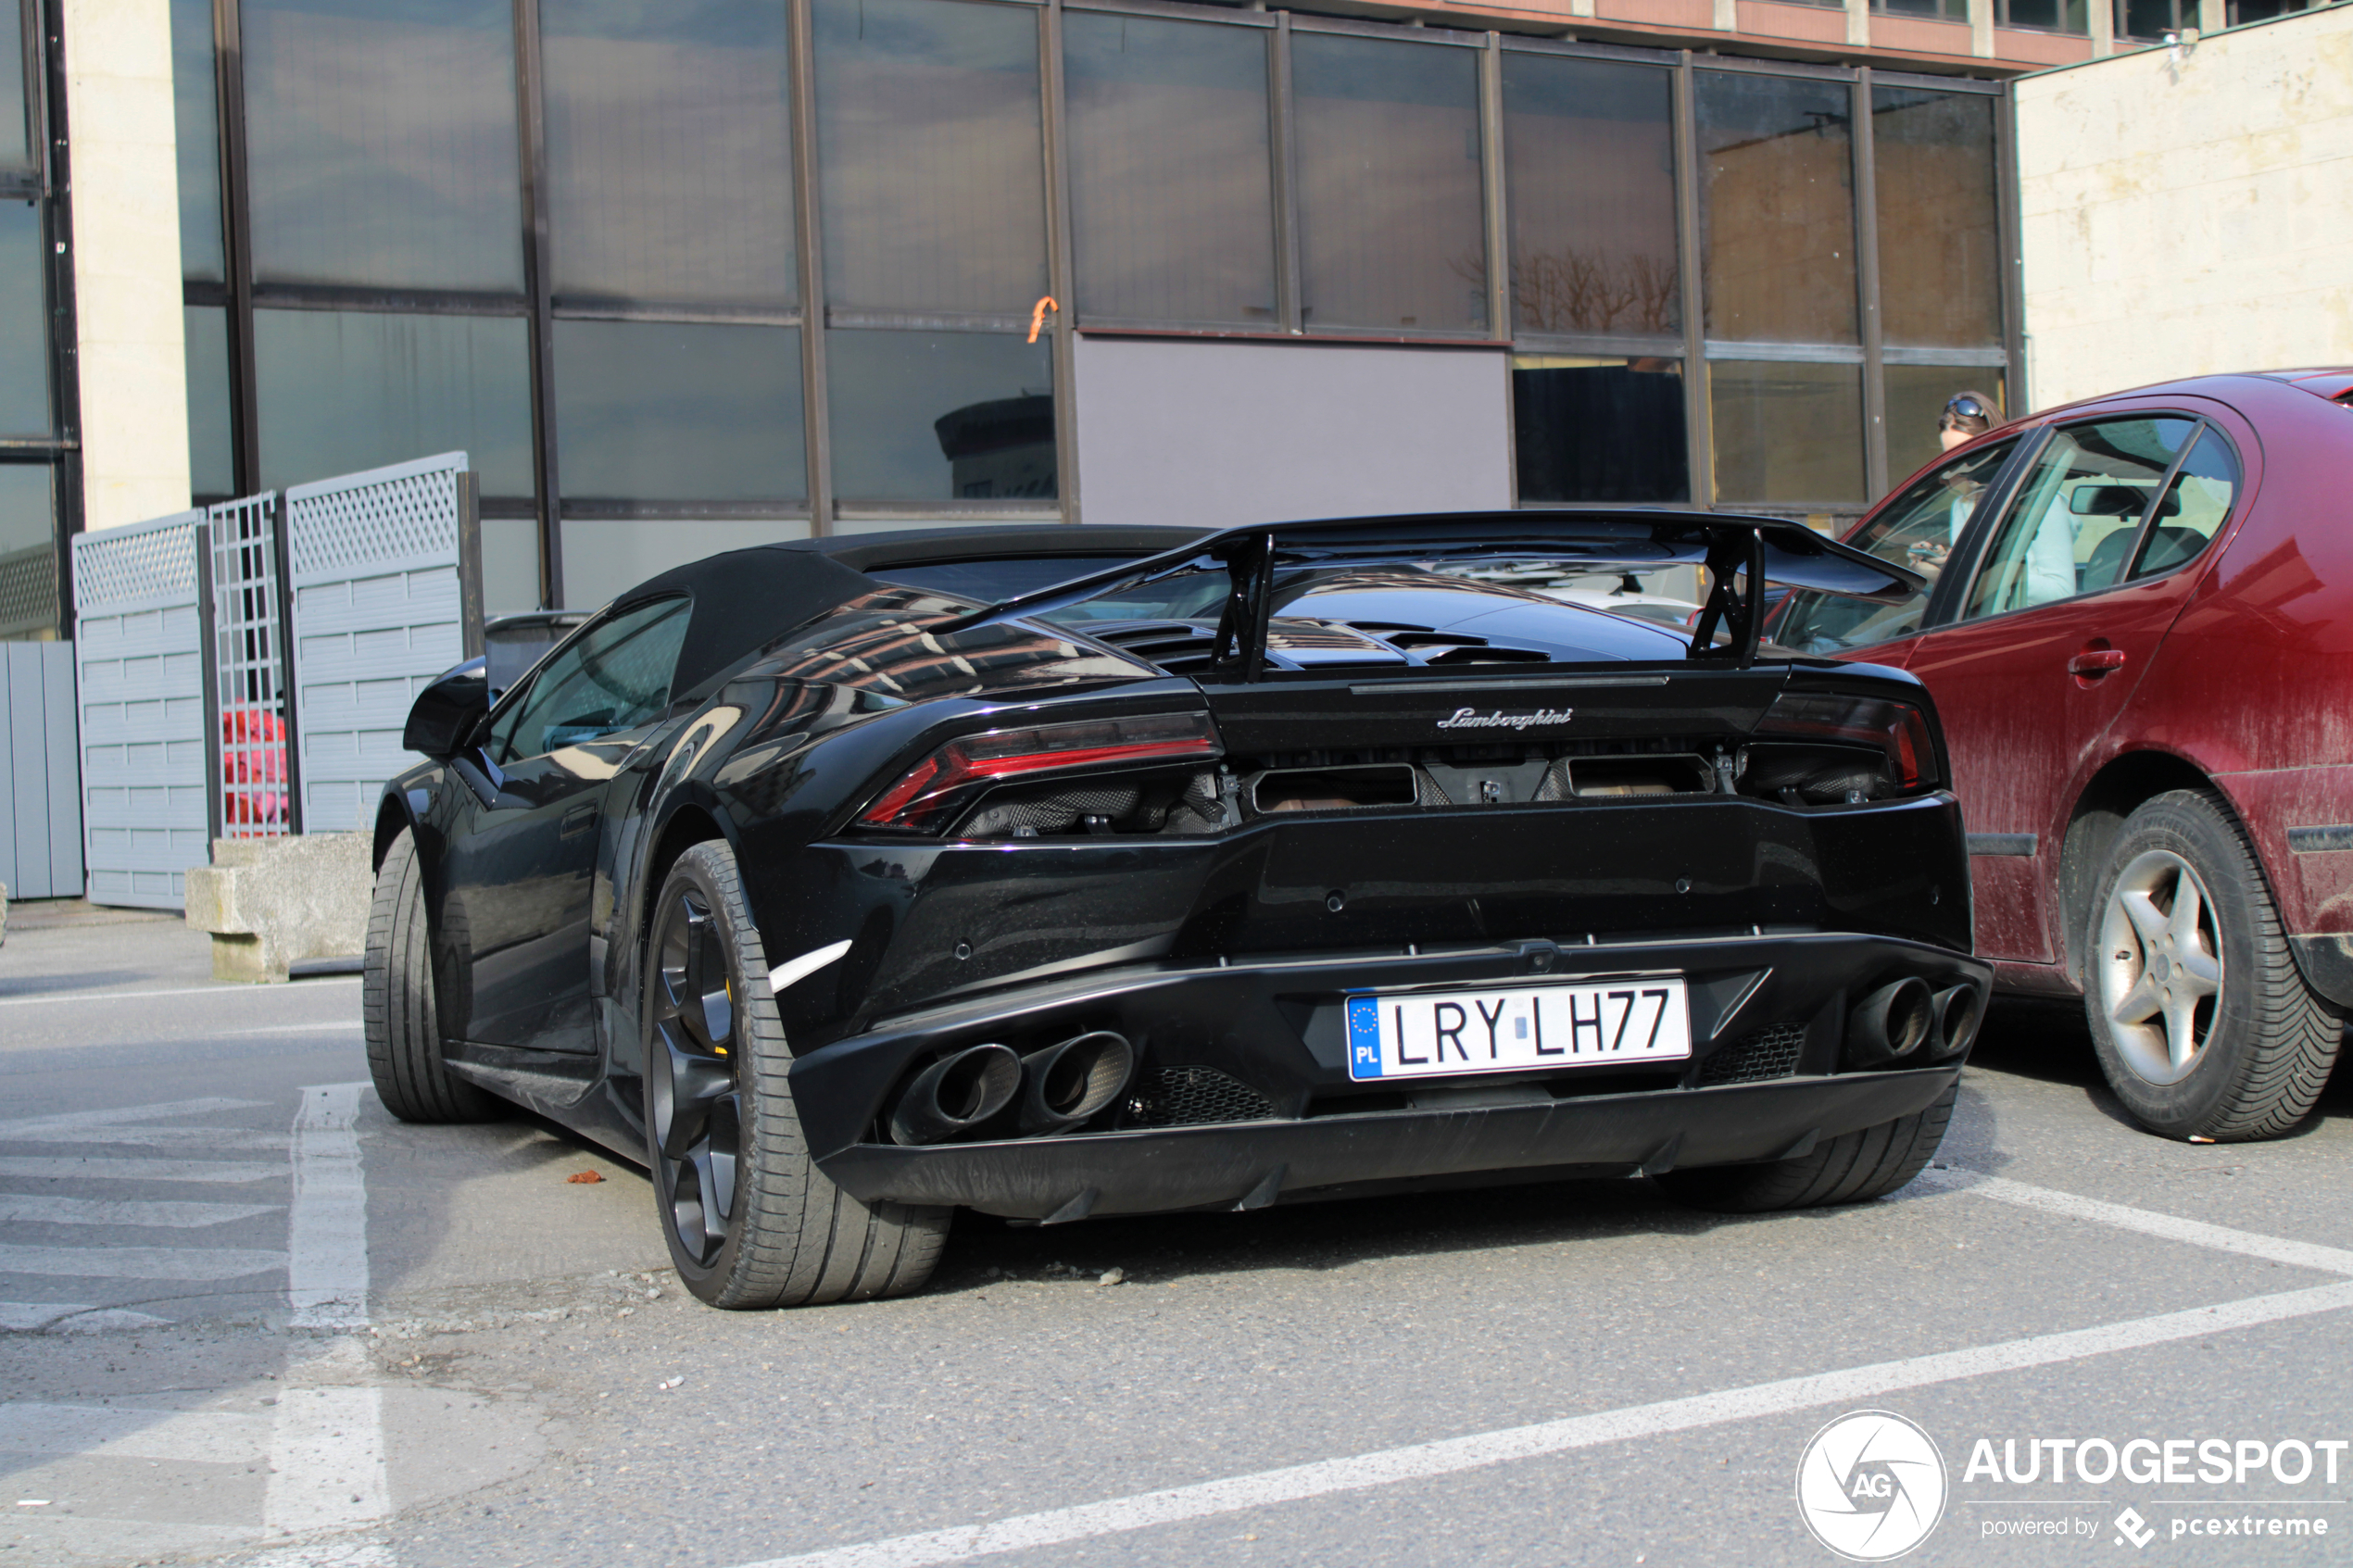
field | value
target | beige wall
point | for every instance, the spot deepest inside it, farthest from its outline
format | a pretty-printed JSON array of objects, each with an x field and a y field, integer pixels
[
  {"x": 126, "y": 267},
  {"x": 2181, "y": 216}
]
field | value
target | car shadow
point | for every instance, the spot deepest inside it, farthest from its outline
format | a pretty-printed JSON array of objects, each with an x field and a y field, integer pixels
[{"x": 1322, "y": 1236}]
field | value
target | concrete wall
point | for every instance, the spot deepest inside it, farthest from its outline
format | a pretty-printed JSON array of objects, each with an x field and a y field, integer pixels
[
  {"x": 1217, "y": 433},
  {"x": 126, "y": 264},
  {"x": 2190, "y": 215}
]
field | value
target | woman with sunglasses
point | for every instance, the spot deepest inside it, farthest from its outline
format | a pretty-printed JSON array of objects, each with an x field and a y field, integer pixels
[{"x": 1965, "y": 416}]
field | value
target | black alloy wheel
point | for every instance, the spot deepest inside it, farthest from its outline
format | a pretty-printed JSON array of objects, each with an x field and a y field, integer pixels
[
  {"x": 750, "y": 1220},
  {"x": 696, "y": 1108}
]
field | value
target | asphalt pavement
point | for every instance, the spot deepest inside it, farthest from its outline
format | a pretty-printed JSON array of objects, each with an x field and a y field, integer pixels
[{"x": 245, "y": 1316}]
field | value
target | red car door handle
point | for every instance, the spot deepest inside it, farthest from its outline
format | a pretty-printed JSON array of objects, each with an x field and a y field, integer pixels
[{"x": 2096, "y": 662}]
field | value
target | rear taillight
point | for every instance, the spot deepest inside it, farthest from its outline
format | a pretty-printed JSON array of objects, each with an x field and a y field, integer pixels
[
  {"x": 1897, "y": 729},
  {"x": 933, "y": 793}
]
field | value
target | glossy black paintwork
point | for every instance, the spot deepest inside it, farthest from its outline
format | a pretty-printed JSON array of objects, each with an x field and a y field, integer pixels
[{"x": 539, "y": 875}]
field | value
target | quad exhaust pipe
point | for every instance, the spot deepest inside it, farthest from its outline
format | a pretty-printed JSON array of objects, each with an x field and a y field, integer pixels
[
  {"x": 1064, "y": 1084},
  {"x": 1890, "y": 1023},
  {"x": 1059, "y": 1086},
  {"x": 954, "y": 1093},
  {"x": 1958, "y": 1011}
]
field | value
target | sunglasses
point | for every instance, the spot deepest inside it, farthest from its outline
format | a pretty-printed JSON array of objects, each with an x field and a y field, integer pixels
[{"x": 1969, "y": 409}]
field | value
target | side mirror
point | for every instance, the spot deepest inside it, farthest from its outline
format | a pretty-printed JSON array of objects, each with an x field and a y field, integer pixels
[{"x": 447, "y": 712}]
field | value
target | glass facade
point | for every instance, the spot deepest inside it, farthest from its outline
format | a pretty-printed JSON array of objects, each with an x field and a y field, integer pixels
[
  {"x": 344, "y": 390},
  {"x": 1172, "y": 172},
  {"x": 38, "y": 469},
  {"x": 381, "y": 146},
  {"x": 634, "y": 255},
  {"x": 942, "y": 415},
  {"x": 195, "y": 119},
  {"x": 1940, "y": 237},
  {"x": 1777, "y": 211},
  {"x": 212, "y": 453},
  {"x": 669, "y": 151},
  {"x": 1589, "y": 149},
  {"x": 1589, "y": 429},
  {"x": 1787, "y": 432},
  {"x": 931, "y": 155},
  {"x": 676, "y": 413},
  {"x": 1390, "y": 217}
]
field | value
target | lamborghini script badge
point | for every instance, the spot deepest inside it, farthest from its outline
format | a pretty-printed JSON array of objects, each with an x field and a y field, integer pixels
[{"x": 1472, "y": 718}]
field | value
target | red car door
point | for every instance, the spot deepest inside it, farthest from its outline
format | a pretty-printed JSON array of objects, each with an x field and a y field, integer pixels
[{"x": 2072, "y": 592}]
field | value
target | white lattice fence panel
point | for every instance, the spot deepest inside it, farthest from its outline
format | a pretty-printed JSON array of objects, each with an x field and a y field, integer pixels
[
  {"x": 249, "y": 668},
  {"x": 378, "y": 611},
  {"x": 139, "y": 668}
]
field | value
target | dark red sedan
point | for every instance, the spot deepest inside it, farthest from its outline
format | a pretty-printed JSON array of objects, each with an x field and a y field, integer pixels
[{"x": 2140, "y": 637}]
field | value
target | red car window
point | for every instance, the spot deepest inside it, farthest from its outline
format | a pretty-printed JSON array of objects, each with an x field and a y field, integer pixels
[
  {"x": 2196, "y": 504},
  {"x": 2078, "y": 513}
]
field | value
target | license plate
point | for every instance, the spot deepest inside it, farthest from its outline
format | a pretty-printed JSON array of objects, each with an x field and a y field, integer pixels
[{"x": 1435, "y": 1034}]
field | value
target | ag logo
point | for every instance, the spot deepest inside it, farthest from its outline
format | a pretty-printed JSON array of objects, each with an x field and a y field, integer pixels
[{"x": 1870, "y": 1486}]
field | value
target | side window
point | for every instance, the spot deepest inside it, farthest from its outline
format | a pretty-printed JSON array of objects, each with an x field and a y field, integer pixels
[
  {"x": 2078, "y": 513},
  {"x": 615, "y": 677},
  {"x": 2195, "y": 507},
  {"x": 1917, "y": 530}
]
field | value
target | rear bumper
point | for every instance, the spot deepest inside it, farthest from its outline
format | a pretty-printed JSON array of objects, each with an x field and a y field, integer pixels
[
  {"x": 1249, "y": 1164},
  {"x": 1274, "y": 1027}
]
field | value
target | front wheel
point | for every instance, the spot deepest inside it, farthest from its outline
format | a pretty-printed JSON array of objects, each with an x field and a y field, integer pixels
[
  {"x": 399, "y": 1008},
  {"x": 2201, "y": 1021},
  {"x": 750, "y": 1220},
  {"x": 1851, "y": 1168}
]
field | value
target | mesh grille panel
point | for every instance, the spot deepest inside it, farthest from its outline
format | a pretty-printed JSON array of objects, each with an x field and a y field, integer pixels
[
  {"x": 1189, "y": 1096},
  {"x": 1771, "y": 1052},
  {"x": 249, "y": 671},
  {"x": 375, "y": 521},
  {"x": 139, "y": 566},
  {"x": 29, "y": 591}
]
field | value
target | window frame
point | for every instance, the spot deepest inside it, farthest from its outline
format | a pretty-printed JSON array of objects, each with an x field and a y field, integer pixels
[
  {"x": 516, "y": 696},
  {"x": 1960, "y": 558},
  {"x": 1981, "y": 531}
]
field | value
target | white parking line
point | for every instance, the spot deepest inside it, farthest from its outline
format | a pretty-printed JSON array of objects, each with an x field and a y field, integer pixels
[
  {"x": 126, "y": 1432},
  {"x": 140, "y": 1263},
  {"x": 84, "y": 1121},
  {"x": 1422, "y": 1461},
  {"x": 2194, "y": 1233},
  {"x": 327, "y": 1228},
  {"x": 327, "y": 1453},
  {"x": 222, "y": 990},
  {"x": 93, "y": 1169},
  {"x": 21, "y": 1208}
]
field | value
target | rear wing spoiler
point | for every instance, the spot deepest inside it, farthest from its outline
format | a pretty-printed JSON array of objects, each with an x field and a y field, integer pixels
[{"x": 1740, "y": 554}]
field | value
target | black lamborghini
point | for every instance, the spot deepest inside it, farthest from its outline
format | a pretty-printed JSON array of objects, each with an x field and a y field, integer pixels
[{"x": 1071, "y": 872}]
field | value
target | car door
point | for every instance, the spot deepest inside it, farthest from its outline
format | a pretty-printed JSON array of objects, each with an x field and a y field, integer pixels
[
  {"x": 2070, "y": 592},
  {"x": 517, "y": 905}
]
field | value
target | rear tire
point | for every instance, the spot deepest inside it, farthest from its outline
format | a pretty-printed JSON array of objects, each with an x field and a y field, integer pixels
[
  {"x": 750, "y": 1221},
  {"x": 2201, "y": 1021},
  {"x": 1851, "y": 1168},
  {"x": 398, "y": 1008}
]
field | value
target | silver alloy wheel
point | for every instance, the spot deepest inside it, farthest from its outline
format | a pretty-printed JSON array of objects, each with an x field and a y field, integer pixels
[{"x": 2160, "y": 968}]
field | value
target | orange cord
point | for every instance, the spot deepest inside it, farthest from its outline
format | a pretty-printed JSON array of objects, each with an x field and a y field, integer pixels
[{"x": 1038, "y": 315}]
